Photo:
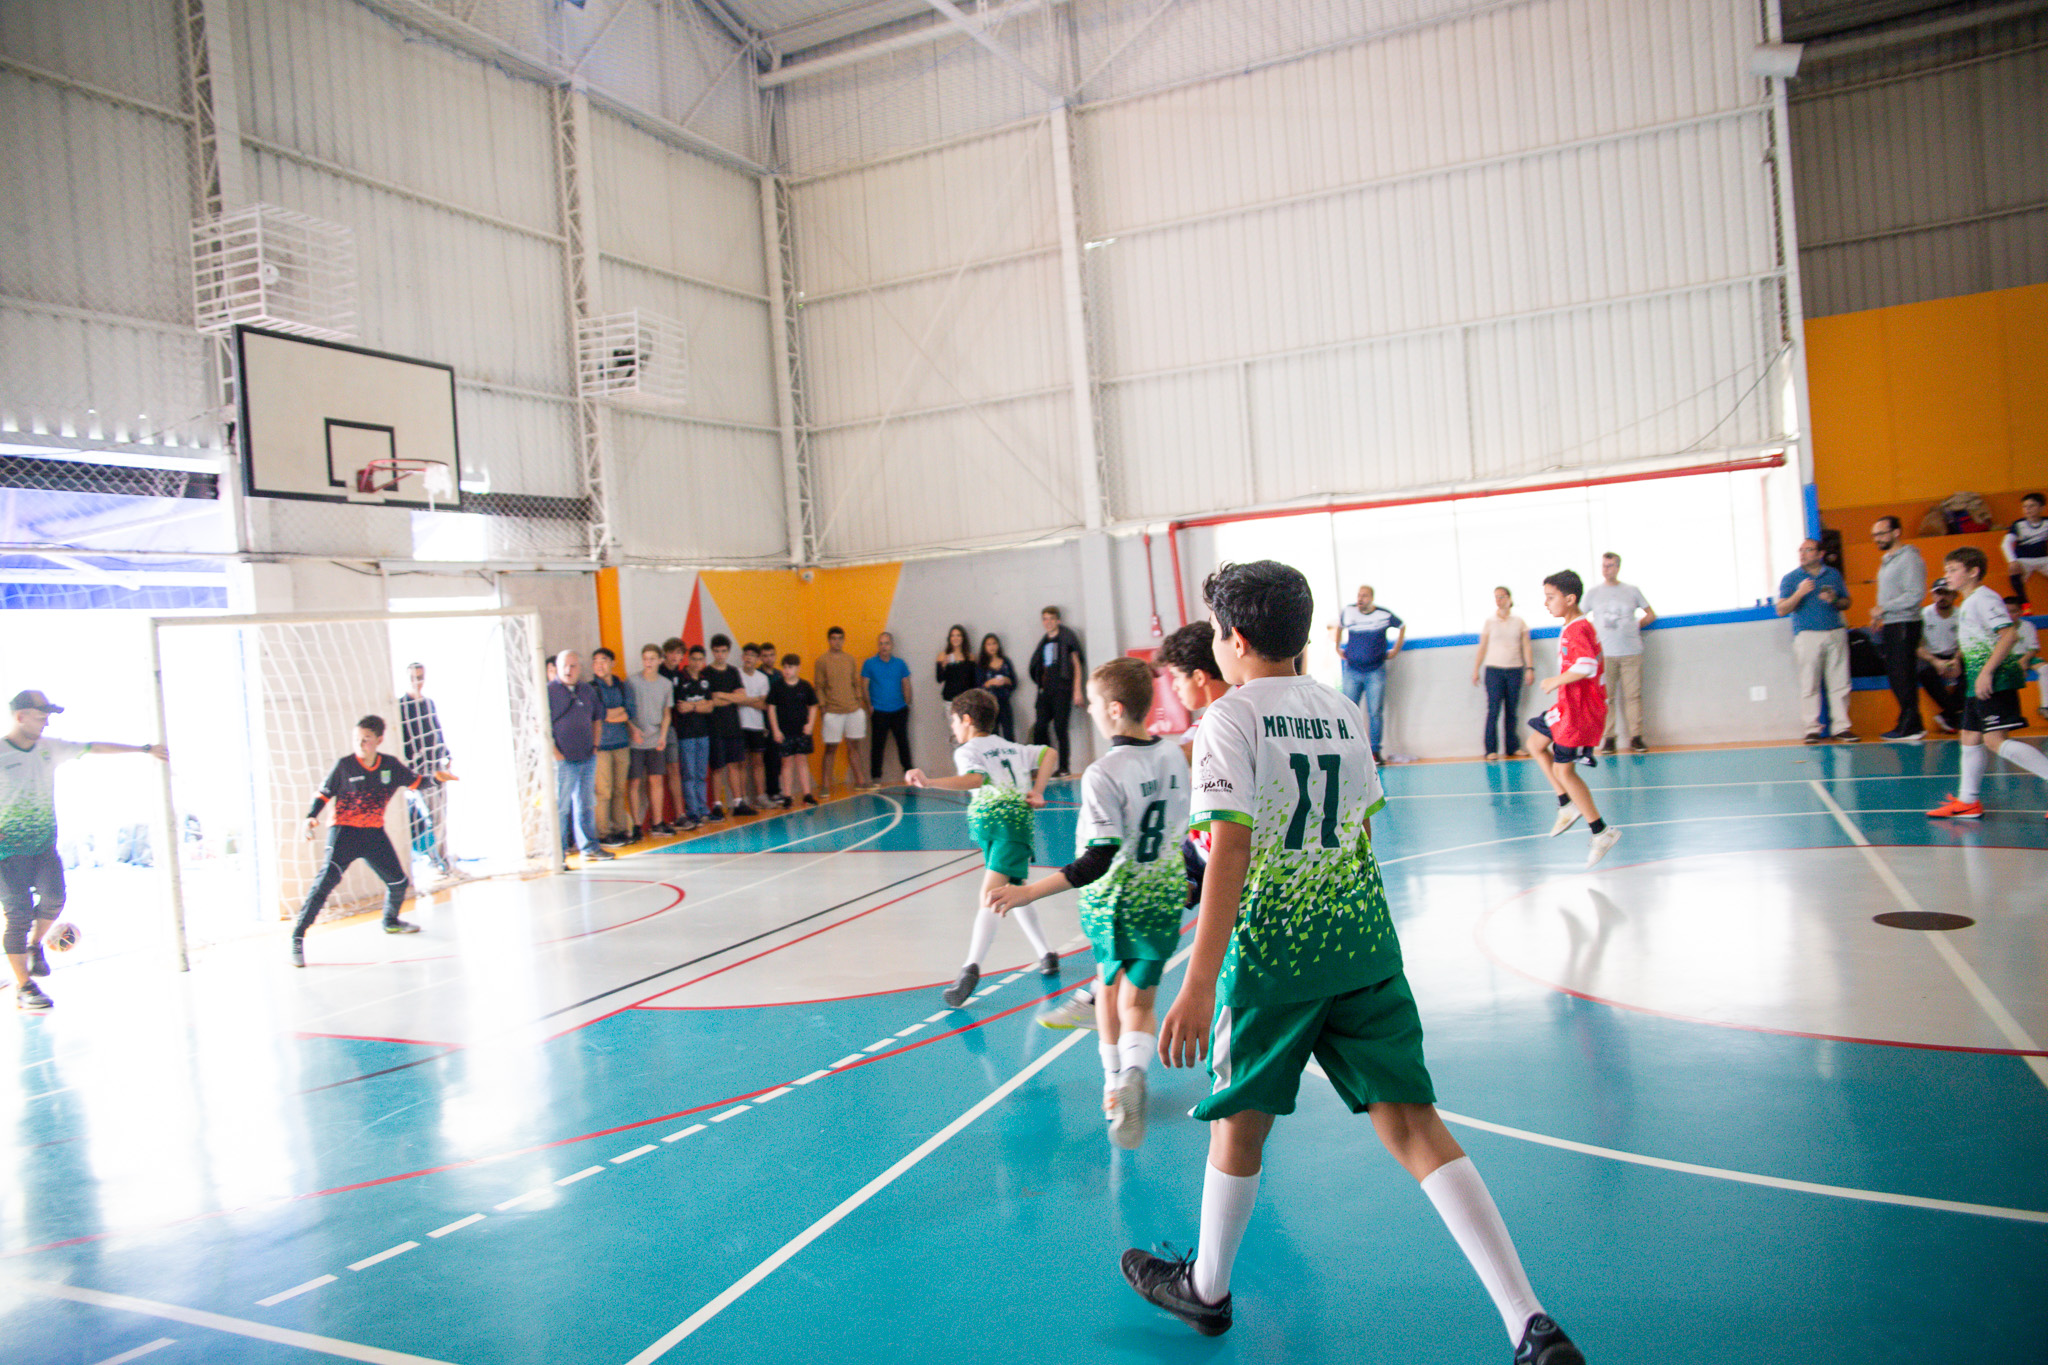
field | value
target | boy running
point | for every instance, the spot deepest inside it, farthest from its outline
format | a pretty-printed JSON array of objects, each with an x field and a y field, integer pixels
[
  {"x": 1295, "y": 955},
  {"x": 998, "y": 820},
  {"x": 1992, "y": 679},
  {"x": 1134, "y": 805},
  {"x": 1568, "y": 732}
]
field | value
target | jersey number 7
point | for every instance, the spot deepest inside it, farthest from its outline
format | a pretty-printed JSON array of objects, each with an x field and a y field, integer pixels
[{"x": 1331, "y": 764}]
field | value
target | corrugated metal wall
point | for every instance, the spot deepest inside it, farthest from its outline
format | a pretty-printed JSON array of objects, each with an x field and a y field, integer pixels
[{"x": 1921, "y": 171}]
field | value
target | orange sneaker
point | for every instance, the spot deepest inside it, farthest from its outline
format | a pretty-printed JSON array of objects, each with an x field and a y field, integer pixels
[{"x": 1953, "y": 809}]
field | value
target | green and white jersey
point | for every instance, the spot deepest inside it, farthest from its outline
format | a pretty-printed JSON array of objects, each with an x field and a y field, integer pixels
[
  {"x": 1135, "y": 799},
  {"x": 998, "y": 807},
  {"x": 1288, "y": 758},
  {"x": 28, "y": 794},
  {"x": 1978, "y": 621}
]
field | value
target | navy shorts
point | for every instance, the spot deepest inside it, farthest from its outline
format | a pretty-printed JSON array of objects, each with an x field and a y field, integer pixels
[
  {"x": 726, "y": 748},
  {"x": 1564, "y": 753},
  {"x": 755, "y": 740}
]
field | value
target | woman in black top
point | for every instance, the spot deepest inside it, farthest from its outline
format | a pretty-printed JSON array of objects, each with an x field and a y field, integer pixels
[
  {"x": 956, "y": 671},
  {"x": 995, "y": 673}
]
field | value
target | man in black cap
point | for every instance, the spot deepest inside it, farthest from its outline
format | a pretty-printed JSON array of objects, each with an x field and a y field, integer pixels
[{"x": 31, "y": 874}]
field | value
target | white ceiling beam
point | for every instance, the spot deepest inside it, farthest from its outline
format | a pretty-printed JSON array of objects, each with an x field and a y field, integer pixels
[{"x": 923, "y": 37}]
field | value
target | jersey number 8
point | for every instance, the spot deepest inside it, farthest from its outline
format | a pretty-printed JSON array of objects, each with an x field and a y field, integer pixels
[{"x": 1151, "y": 832}]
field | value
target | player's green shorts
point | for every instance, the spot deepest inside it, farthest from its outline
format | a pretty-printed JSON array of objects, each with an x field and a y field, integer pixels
[
  {"x": 1142, "y": 972},
  {"x": 1007, "y": 855},
  {"x": 1369, "y": 1042}
]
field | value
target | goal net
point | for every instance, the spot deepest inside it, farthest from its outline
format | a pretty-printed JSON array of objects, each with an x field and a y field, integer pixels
[{"x": 258, "y": 709}]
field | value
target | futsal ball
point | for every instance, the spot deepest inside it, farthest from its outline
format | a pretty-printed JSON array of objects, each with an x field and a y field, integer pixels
[{"x": 64, "y": 937}]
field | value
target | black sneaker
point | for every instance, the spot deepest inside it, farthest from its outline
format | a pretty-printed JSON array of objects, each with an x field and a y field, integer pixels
[
  {"x": 1903, "y": 736},
  {"x": 1049, "y": 965},
  {"x": 957, "y": 993},
  {"x": 38, "y": 965},
  {"x": 741, "y": 808},
  {"x": 1814, "y": 738},
  {"x": 717, "y": 810},
  {"x": 1607, "y": 746},
  {"x": 1377, "y": 760},
  {"x": 1170, "y": 1284},
  {"x": 783, "y": 802},
  {"x": 400, "y": 926},
  {"x": 810, "y": 800},
  {"x": 1544, "y": 1343},
  {"x": 1844, "y": 737},
  {"x": 298, "y": 952},
  {"x": 1636, "y": 746},
  {"x": 600, "y": 854},
  {"x": 615, "y": 841},
  {"x": 31, "y": 997}
]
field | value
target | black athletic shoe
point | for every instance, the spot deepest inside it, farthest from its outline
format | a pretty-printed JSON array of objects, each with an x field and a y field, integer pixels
[
  {"x": 1636, "y": 746},
  {"x": 600, "y": 854},
  {"x": 1170, "y": 1284},
  {"x": 1049, "y": 965},
  {"x": 1815, "y": 738},
  {"x": 1844, "y": 737},
  {"x": 742, "y": 808},
  {"x": 810, "y": 800},
  {"x": 400, "y": 926},
  {"x": 1544, "y": 1343},
  {"x": 1607, "y": 746},
  {"x": 38, "y": 965},
  {"x": 957, "y": 993},
  {"x": 31, "y": 997},
  {"x": 298, "y": 952},
  {"x": 1377, "y": 760},
  {"x": 717, "y": 810},
  {"x": 615, "y": 841}
]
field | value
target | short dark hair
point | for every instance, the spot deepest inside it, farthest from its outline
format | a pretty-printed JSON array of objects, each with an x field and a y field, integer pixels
[
  {"x": 1191, "y": 649},
  {"x": 978, "y": 705},
  {"x": 750, "y": 649},
  {"x": 1970, "y": 557},
  {"x": 1267, "y": 602},
  {"x": 601, "y": 651},
  {"x": 1053, "y": 612},
  {"x": 654, "y": 648},
  {"x": 1126, "y": 681},
  {"x": 831, "y": 631},
  {"x": 671, "y": 643},
  {"x": 1891, "y": 523},
  {"x": 696, "y": 651},
  {"x": 374, "y": 724},
  {"x": 2032, "y": 497},
  {"x": 2016, "y": 602},
  {"x": 1568, "y": 583},
  {"x": 721, "y": 642},
  {"x": 792, "y": 661}
]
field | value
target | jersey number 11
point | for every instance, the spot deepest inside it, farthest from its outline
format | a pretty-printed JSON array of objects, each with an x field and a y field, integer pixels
[{"x": 1331, "y": 764}]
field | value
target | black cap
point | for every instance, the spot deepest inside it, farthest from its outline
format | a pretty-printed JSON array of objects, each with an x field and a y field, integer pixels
[{"x": 28, "y": 699}]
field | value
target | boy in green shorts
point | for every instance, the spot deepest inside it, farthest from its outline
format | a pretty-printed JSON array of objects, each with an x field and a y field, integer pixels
[
  {"x": 1134, "y": 805},
  {"x": 1295, "y": 956},
  {"x": 998, "y": 820}
]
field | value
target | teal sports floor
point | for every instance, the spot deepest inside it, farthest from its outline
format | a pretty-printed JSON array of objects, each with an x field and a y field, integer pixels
[{"x": 706, "y": 1105}]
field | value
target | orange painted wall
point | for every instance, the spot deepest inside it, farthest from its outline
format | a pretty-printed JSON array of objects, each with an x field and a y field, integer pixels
[{"x": 1913, "y": 403}]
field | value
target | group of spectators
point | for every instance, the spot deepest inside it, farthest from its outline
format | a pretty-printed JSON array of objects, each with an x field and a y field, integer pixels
[{"x": 694, "y": 737}]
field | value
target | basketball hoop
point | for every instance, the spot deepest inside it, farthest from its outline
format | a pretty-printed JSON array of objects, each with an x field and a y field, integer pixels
[{"x": 437, "y": 480}]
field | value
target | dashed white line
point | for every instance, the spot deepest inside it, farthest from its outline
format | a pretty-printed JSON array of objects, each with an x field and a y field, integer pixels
[
  {"x": 942, "y": 1014},
  {"x": 221, "y": 1322},
  {"x": 457, "y": 1226},
  {"x": 731, "y": 1113},
  {"x": 516, "y": 1200},
  {"x": 844, "y": 1061},
  {"x": 772, "y": 1095},
  {"x": 140, "y": 1351},
  {"x": 878, "y": 1045},
  {"x": 383, "y": 1255},
  {"x": 677, "y": 1137},
  {"x": 294, "y": 1292},
  {"x": 584, "y": 1174},
  {"x": 814, "y": 1076},
  {"x": 1008, "y": 979},
  {"x": 623, "y": 1157},
  {"x": 914, "y": 1028},
  {"x": 983, "y": 995}
]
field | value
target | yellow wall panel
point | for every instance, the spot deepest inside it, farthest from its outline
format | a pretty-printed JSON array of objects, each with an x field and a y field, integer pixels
[
  {"x": 2023, "y": 313},
  {"x": 856, "y": 599},
  {"x": 1948, "y": 399},
  {"x": 1848, "y": 391}
]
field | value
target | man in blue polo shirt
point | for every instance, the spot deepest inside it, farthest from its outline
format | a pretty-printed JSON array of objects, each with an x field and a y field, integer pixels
[
  {"x": 1814, "y": 595},
  {"x": 574, "y": 717},
  {"x": 1361, "y": 632},
  {"x": 888, "y": 685}
]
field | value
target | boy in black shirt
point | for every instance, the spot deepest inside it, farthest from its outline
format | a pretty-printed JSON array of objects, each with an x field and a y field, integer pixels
[
  {"x": 728, "y": 745},
  {"x": 694, "y": 704},
  {"x": 793, "y": 719}
]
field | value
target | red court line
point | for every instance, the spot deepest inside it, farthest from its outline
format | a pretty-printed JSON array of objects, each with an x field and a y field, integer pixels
[
  {"x": 372, "y": 1038},
  {"x": 541, "y": 943}
]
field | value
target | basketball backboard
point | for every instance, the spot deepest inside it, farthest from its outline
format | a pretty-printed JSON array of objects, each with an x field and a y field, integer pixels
[{"x": 325, "y": 422}]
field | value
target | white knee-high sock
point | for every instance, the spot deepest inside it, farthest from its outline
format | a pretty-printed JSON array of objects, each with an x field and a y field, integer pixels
[
  {"x": 985, "y": 923},
  {"x": 1468, "y": 1211},
  {"x": 1027, "y": 920},
  {"x": 2021, "y": 754},
  {"x": 1976, "y": 758},
  {"x": 1137, "y": 1050},
  {"x": 1226, "y": 1211},
  {"x": 1111, "y": 1065}
]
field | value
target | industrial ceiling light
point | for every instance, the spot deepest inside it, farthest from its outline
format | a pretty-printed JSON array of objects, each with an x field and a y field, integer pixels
[{"x": 1777, "y": 61}]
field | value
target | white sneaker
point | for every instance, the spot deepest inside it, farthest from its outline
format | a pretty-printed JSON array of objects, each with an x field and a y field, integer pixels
[
  {"x": 1073, "y": 1012},
  {"x": 1602, "y": 842},
  {"x": 1567, "y": 816},
  {"x": 1127, "y": 1119}
]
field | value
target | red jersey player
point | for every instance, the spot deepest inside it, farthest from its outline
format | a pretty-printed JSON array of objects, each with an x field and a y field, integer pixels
[{"x": 1568, "y": 732}]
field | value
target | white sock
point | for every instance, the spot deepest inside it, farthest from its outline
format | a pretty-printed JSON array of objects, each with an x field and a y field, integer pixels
[
  {"x": 1137, "y": 1050},
  {"x": 1975, "y": 760},
  {"x": 985, "y": 923},
  {"x": 1226, "y": 1211},
  {"x": 1109, "y": 1053},
  {"x": 1027, "y": 920},
  {"x": 2021, "y": 754},
  {"x": 1467, "y": 1210}
]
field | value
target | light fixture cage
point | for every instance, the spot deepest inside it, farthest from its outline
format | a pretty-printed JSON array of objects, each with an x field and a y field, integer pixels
[
  {"x": 633, "y": 357},
  {"x": 276, "y": 268}
]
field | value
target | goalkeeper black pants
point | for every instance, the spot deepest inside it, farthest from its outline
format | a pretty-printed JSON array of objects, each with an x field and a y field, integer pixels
[{"x": 345, "y": 844}]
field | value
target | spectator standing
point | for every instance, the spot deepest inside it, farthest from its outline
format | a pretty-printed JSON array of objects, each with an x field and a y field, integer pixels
[
  {"x": 1901, "y": 584},
  {"x": 1058, "y": 667},
  {"x": 572, "y": 709},
  {"x": 1507, "y": 664},
  {"x": 1814, "y": 595},
  {"x": 614, "y": 750},
  {"x": 844, "y": 703},
  {"x": 754, "y": 724},
  {"x": 956, "y": 672},
  {"x": 1614, "y": 605},
  {"x": 426, "y": 751},
  {"x": 771, "y": 768},
  {"x": 728, "y": 739},
  {"x": 647, "y": 761},
  {"x": 793, "y": 722},
  {"x": 675, "y": 665},
  {"x": 997, "y": 676},
  {"x": 1938, "y": 657},
  {"x": 886, "y": 680},
  {"x": 1361, "y": 635},
  {"x": 693, "y": 723}
]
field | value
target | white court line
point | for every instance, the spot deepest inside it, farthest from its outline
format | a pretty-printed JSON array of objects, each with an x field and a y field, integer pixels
[
  {"x": 457, "y": 1226},
  {"x": 623, "y": 1157},
  {"x": 1632, "y": 824},
  {"x": 382, "y": 1256},
  {"x": 731, "y": 1113},
  {"x": 942, "y": 1014},
  {"x": 866, "y": 1192},
  {"x": 294, "y": 1292},
  {"x": 814, "y": 1076},
  {"x": 914, "y": 1028},
  {"x": 140, "y": 1351},
  {"x": 677, "y": 1137},
  {"x": 875, "y": 1046},
  {"x": 847, "y": 1060},
  {"x": 1695, "y": 786},
  {"x": 516, "y": 1200},
  {"x": 1008, "y": 979},
  {"x": 583, "y": 1174},
  {"x": 241, "y": 1327},
  {"x": 775, "y": 1094},
  {"x": 2001, "y": 1018}
]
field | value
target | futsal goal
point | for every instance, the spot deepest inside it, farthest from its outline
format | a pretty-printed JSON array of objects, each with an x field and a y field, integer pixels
[{"x": 258, "y": 709}]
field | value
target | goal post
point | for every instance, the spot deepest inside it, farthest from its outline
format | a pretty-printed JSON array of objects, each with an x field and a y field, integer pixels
[{"x": 258, "y": 709}]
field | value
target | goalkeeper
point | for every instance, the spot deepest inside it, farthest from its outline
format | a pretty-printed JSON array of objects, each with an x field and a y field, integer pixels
[{"x": 361, "y": 786}]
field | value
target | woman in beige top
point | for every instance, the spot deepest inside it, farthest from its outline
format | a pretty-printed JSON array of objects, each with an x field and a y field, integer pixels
[{"x": 1505, "y": 660}]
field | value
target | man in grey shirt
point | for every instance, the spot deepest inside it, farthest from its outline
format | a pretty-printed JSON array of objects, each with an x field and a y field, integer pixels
[
  {"x": 1901, "y": 584},
  {"x": 1612, "y": 605}
]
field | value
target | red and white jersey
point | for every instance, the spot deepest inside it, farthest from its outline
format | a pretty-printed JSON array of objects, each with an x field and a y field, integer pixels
[{"x": 1578, "y": 717}]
